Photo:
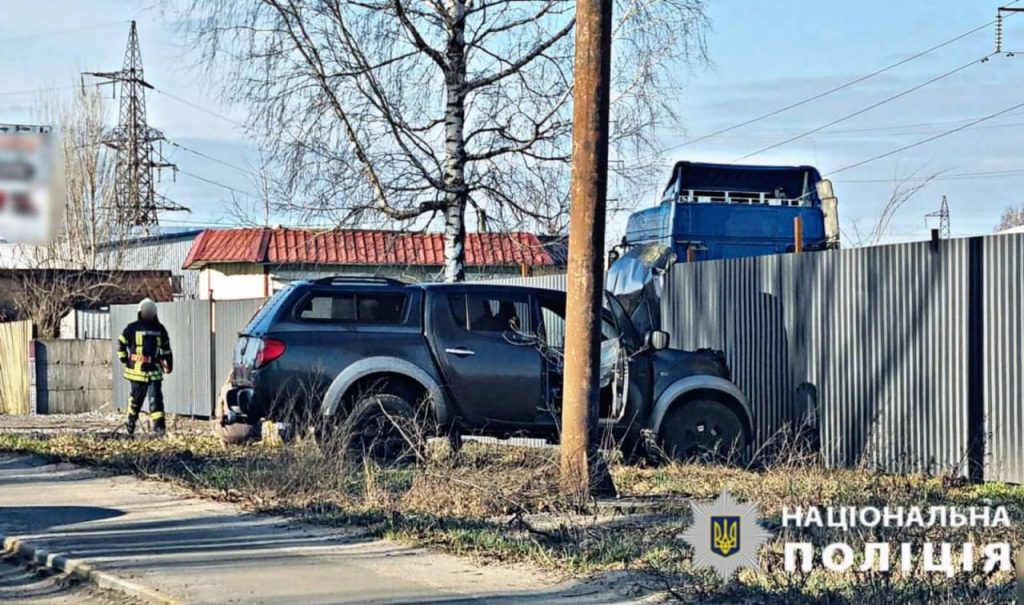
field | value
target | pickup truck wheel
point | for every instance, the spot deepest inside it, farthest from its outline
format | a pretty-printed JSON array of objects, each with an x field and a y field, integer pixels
[
  {"x": 703, "y": 429},
  {"x": 381, "y": 428}
]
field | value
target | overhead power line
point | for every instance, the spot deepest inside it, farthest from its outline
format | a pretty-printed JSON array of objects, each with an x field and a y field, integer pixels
[
  {"x": 835, "y": 89},
  {"x": 926, "y": 140},
  {"x": 217, "y": 183},
  {"x": 199, "y": 107},
  {"x": 989, "y": 174},
  {"x": 895, "y": 129},
  {"x": 208, "y": 157},
  {"x": 863, "y": 110},
  {"x": 961, "y": 176}
]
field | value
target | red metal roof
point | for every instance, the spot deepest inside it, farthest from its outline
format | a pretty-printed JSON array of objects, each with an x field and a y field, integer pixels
[{"x": 362, "y": 247}]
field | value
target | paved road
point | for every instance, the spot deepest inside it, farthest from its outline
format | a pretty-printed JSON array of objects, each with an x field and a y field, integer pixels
[
  {"x": 202, "y": 551},
  {"x": 21, "y": 586}
]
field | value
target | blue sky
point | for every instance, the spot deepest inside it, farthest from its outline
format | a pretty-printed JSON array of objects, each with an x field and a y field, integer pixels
[{"x": 764, "y": 55}]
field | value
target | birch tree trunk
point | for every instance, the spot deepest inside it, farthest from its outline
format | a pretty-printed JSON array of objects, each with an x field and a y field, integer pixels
[{"x": 456, "y": 194}]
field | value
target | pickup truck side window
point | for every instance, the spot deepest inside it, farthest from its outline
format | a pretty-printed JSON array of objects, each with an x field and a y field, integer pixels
[
  {"x": 494, "y": 314},
  {"x": 552, "y": 314},
  {"x": 348, "y": 307}
]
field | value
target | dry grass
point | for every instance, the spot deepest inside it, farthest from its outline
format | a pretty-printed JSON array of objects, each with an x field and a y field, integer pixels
[{"x": 500, "y": 502}]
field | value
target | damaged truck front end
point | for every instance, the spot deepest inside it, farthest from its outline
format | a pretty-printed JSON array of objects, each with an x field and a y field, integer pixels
[{"x": 691, "y": 406}]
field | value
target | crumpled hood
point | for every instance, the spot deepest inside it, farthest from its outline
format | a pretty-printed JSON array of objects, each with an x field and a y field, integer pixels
[{"x": 636, "y": 281}]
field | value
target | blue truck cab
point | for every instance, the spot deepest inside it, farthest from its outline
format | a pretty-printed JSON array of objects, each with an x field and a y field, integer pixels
[{"x": 718, "y": 211}]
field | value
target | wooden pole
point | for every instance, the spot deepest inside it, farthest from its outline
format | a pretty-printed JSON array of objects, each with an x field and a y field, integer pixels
[
  {"x": 586, "y": 243},
  {"x": 798, "y": 234}
]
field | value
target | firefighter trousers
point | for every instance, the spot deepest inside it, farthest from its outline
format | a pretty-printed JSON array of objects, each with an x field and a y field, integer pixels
[{"x": 156, "y": 403}]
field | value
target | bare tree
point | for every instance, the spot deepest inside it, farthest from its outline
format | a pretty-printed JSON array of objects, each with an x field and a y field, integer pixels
[
  {"x": 903, "y": 190},
  {"x": 255, "y": 211},
  {"x": 1012, "y": 217},
  {"x": 394, "y": 110}
]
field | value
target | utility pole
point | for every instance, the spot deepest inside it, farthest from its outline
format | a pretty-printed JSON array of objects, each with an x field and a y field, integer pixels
[
  {"x": 135, "y": 201},
  {"x": 586, "y": 244}
]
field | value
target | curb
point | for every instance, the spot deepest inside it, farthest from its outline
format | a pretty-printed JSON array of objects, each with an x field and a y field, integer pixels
[{"x": 84, "y": 571}]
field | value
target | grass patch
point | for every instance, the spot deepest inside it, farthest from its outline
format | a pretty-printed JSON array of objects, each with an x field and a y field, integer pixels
[{"x": 501, "y": 503}]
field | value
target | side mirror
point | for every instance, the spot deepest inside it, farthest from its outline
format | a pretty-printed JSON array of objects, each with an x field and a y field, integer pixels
[{"x": 657, "y": 339}]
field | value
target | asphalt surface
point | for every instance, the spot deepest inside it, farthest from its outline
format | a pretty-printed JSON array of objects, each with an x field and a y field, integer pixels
[{"x": 201, "y": 551}]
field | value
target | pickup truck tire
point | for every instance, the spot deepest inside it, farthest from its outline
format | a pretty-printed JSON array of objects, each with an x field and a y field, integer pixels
[
  {"x": 381, "y": 428},
  {"x": 702, "y": 429}
]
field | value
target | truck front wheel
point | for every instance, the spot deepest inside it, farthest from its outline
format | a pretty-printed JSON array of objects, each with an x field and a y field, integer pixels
[{"x": 702, "y": 429}]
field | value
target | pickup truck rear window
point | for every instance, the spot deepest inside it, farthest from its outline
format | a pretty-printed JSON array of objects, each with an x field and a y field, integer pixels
[{"x": 371, "y": 307}]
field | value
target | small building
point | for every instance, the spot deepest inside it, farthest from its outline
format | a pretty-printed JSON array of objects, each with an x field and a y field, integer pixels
[
  {"x": 256, "y": 262},
  {"x": 52, "y": 297},
  {"x": 166, "y": 249}
]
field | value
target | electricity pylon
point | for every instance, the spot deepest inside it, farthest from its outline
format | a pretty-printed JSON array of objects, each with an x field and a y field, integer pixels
[
  {"x": 943, "y": 215},
  {"x": 135, "y": 201}
]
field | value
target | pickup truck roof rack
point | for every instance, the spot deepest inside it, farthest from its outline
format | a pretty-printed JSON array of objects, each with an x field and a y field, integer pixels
[{"x": 359, "y": 279}]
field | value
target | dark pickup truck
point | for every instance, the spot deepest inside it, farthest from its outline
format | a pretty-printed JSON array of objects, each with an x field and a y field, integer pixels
[{"x": 482, "y": 359}]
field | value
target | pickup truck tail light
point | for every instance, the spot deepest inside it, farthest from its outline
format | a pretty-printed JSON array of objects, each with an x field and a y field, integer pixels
[{"x": 270, "y": 349}]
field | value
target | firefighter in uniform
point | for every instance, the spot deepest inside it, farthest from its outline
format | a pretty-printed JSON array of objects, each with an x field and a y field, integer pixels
[{"x": 145, "y": 351}]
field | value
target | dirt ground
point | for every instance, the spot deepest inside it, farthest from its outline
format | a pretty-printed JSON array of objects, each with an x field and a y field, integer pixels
[{"x": 95, "y": 422}]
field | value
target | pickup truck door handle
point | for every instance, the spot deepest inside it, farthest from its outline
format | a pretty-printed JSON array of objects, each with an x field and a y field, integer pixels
[{"x": 460, "y": 352}]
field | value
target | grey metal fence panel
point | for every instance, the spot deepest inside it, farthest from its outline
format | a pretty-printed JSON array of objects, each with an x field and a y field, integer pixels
[
  {"x": 547, "y": 282},
  {"x": 1004, "y": 357},
  {"x": 870, "y": 341},
  {"x": 92, "y": 324},
  {"x": 229, "y": 318},
  {"x": 189, "y": 389}
]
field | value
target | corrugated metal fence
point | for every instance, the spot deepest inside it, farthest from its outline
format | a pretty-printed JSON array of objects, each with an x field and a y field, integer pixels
[
  {"x": 1003, "y": 344},
  {"x": 230, "y": 318},
  {"x": 86, "y": 324},
  {"x": 870, "y": 341},
  {"x": 202, "y": 349},
  {"x": 909, "y": 356}
]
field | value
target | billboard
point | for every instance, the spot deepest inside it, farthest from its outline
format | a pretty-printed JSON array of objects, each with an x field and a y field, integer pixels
[{"x": 31, "y": 185}]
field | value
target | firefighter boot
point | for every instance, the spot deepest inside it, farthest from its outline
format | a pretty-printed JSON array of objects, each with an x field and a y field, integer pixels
[{"x": 130, "y": 425}]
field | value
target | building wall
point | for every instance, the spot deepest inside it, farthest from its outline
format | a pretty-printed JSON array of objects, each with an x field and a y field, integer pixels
[
  {"x": 164, "y": 253},
  {"x": 168, "y": 254},
  {"x": 232, "y": 281}
]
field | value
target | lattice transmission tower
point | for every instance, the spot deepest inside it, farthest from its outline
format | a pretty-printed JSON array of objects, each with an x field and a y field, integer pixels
[
  {"x": 943, "y": 215},
  {"x": 135, "y": 200}
]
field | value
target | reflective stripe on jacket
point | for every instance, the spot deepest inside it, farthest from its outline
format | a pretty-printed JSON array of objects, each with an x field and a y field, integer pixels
[{"x": 143, "y": 348}]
